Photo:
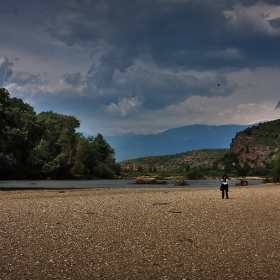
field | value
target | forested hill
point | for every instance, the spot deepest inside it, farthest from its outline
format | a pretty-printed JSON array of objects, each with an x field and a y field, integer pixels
[
  {"x": 253, "y": 151},
  {"x": 181, "y": 162},
  {"x": 47, "y": 146}
]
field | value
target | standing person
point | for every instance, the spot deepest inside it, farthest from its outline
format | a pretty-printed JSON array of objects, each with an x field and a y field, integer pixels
[{"x": 224, "y": 186}]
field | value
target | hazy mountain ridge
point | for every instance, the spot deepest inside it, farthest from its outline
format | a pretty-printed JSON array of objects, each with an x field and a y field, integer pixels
[
  {"x": 255, "y": 146},
  {"x": 174, "y": 141}
]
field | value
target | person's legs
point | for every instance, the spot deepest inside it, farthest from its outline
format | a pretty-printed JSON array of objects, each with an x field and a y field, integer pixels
[
  {"x": 227, "y": 192},
  {"x": 223, "y": 192}
]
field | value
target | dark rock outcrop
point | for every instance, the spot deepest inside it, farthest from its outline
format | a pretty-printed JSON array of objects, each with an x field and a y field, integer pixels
[
  {"x": 242, "y": 183},
  {"x": 150, "y": 182},
  {"x": 182, "y": 183}
]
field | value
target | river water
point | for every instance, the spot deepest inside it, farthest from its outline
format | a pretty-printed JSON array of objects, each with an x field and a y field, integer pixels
[{"x": 85, "y": 184}]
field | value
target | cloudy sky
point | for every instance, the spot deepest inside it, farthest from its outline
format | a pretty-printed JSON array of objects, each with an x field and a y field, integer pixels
[{"x": 144, "y": 66}]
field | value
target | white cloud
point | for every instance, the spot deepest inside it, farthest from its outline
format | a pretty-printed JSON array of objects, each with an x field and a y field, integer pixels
[
  {"x": 255, "y": 19},
  {"x": 125, "y": 107},
  {"x": 139, "y": 130}
]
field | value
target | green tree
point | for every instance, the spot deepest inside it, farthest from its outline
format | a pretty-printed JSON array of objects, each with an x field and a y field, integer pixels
[
  {"x": 194, "y": 174},
  {"x": 4, "y": 104},
  {"x": 242, "y": 172},
  {"x": 47, "y": 145},
  {"x": 275, "y": 171},
  {"x": 94, "y": 158},
  {"x": 84, "y": 152},
  {"x": 105, "y": 162},
  {"x": 103, "y": 150},
  {"x": 139, "y": 168},
  {"x": 19, "y": 134},
  {"x": 59, "y": 141}
]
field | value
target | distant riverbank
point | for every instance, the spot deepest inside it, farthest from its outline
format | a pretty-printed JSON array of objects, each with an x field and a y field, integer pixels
[{"x": 84, "y": 184}]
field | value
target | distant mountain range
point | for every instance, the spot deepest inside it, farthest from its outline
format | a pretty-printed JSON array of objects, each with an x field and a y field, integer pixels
[{"x": 173, "y": 141}]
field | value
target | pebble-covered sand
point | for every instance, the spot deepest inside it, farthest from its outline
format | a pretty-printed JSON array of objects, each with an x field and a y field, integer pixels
[{"x": 149, "y": 233}]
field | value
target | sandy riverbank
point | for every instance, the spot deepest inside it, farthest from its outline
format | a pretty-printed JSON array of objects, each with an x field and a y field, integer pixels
[{"x": 140, "y": 234}]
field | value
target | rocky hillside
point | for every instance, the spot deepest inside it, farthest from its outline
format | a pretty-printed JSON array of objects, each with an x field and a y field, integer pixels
[
  {"x": 202, "y": 158},
  {"x": 257, "y": 145}
]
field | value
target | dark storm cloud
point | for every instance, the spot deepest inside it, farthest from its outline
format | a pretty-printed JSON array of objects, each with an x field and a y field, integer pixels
[
  {"x": 24, "y": 78},
  {"x": 150, "y": 90},
  {"x": 15, "y": 10},
  {"x": 8, "y": 76},
  {"x": 114, "y": 59},
  {"x": 74, "y": 79},
  {"x": 275, "y": 23},
  {"x": 173, "y": 34},
  {"x": 160, "y": 90},
  {"x": 165, "y": 31},
  {"x": 145, "y": 54},
  {"x": 174, "y": 37},
  {"x": 5, "y": 70}
]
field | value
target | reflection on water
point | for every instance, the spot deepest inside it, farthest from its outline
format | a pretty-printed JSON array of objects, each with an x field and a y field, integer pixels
[{"x": 110, "y": 184}]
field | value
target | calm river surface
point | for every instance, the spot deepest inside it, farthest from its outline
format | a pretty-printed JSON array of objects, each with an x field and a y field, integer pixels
[{"x": 85, "y": 184}]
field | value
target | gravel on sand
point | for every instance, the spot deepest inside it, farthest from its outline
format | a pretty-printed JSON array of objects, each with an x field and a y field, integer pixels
[{"x": 147, "y": 233}]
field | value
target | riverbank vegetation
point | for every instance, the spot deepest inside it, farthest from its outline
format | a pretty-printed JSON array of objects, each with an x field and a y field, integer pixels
[
  {"x": 196, "y": 173},
  {"x": 199, "y": 164},
  {"x": 47, "y": 145}
]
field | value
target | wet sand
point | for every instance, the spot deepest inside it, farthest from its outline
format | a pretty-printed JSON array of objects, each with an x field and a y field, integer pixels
[{"x": 182, "y": 233}]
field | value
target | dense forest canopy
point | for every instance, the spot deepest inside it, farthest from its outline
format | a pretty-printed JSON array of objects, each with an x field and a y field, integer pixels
[{"x": 47, "y": 146}]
